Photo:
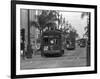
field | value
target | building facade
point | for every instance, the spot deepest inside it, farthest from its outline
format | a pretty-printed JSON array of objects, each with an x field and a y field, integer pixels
[{"x": 34, "y": 32}]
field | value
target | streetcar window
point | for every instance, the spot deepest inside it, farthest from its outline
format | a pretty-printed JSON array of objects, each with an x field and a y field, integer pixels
[
  {"x": 45, "y": 40},
  {"x": 52, "y": 41},
  {"x": 58, "y": 41},
  {"x": 55, "y": 41},
  {"x": 83, "y": 41}
]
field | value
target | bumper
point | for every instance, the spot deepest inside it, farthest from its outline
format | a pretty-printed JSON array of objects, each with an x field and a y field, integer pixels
[
  {"x": 71, "y": 47},
  {"x": 52, "y": 52}
]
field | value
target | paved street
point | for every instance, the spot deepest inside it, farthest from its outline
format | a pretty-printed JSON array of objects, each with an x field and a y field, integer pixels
[{"x": 71, "y": 58}]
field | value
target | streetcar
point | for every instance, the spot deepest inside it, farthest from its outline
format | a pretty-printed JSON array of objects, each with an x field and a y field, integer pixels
[{"x": 51, "y": 44}]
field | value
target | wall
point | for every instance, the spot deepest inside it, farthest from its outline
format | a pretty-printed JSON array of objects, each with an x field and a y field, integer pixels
[{"x": 5, "y": 30}]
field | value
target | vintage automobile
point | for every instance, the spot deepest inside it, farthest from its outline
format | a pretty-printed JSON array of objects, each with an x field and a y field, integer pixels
[
  {"x": 70, "y": 44},
  {"x": 70, "y": 41},
  {"x": 82, "y": 42}
]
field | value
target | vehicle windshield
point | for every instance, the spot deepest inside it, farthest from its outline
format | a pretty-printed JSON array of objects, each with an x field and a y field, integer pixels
[
  {"x": 51, "y": 40},
  {"x": 83, "y": 41}
]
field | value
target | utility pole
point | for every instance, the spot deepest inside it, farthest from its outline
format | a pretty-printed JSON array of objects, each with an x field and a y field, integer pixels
[
  {"x": 88, "y": 40},
  {"x": 29, "y": 49},
  {"x": 58, "y": 20}
]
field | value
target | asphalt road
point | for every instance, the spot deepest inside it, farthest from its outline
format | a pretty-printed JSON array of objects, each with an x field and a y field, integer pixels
[{"x": 71, "y": 58}]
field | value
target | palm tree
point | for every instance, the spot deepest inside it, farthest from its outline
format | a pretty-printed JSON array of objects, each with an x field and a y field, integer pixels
[
  {"x": 47, "y": 18},
  {"x": 44, "y": 18}
]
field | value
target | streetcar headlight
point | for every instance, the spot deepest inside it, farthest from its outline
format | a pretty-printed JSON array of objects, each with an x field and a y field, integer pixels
[
  {"x": 45, "y": 47},
  {"x": 67, "y": 45}
]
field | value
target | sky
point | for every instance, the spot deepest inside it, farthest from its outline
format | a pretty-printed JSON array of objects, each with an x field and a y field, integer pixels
[
  {"x": 76, "y": 21},
  {"x": 72, "y": 17}
]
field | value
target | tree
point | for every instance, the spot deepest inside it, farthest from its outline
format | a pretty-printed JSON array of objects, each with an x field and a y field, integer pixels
[
  {"x": 87, "y": 14},
  {"x": 87, "y": 34},
  {"x": 46, "y": 17}
]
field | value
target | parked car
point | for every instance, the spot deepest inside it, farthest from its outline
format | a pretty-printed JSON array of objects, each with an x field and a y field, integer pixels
[{"x": 82, "y": 42}]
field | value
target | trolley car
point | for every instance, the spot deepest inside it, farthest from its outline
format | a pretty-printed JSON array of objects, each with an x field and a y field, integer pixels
[{"x": 51, "y": 44}]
